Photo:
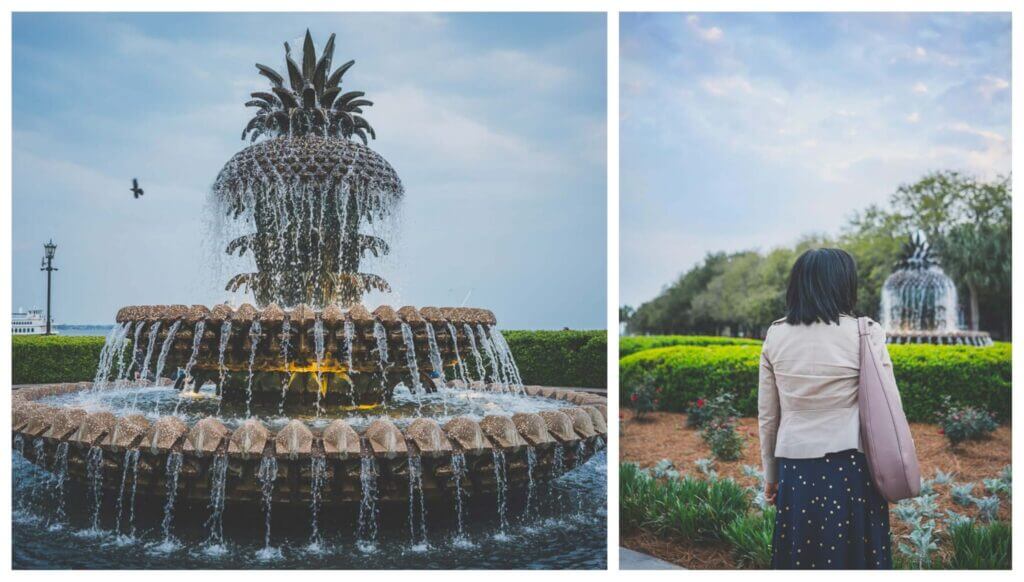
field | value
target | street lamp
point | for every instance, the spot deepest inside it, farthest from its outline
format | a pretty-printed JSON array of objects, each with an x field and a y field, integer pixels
[{"x": 50, "y": 249}]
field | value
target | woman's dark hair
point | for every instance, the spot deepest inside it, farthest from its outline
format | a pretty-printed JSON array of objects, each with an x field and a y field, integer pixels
[{"x": 822, "y": 286}]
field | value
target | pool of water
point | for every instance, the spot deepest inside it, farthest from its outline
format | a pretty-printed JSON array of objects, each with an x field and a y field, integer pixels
[
  {"x": 564, "y": 528},
  {"x": 442, "y": 406}
]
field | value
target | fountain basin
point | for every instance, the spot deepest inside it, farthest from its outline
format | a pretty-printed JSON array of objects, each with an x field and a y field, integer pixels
[
  {"x": 955, "y": 337},
  {"x": 332, "y": 355},
  {"x": 529, "y": 446}
]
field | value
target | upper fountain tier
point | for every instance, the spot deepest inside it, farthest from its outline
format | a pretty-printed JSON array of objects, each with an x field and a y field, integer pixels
[
  {"x": 332, "y": 355},
  {"x": 920, "y": 302},
  {"x": 310, "y": 203}
]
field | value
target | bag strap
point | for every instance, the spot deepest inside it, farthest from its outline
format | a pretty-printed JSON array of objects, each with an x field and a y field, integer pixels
[{"x": 862, "y": 325}]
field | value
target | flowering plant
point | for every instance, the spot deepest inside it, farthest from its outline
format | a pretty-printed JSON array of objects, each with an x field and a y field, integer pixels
[
  {"x": 965, "y": 423},
  {"x": 645, "y": 397},
  {"x": 705, "y": 410}
]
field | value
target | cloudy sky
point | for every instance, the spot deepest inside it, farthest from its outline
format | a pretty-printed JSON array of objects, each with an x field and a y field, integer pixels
[
  {"x": 496, "y": 124},
  {"x": 745, "y": 131}
]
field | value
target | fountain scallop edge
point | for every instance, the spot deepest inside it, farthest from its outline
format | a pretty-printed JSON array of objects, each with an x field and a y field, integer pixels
[{"x": 578, "y": 431}]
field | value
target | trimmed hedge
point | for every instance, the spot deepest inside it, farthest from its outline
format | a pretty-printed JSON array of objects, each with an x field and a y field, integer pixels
[
  {"x": 925, "y": 373},
  {"x": 630, "y": 345},
  {"x": 568, "y": 358},
  {"x": 41, "y": 359},
  {"x": 551, "y": 358}
]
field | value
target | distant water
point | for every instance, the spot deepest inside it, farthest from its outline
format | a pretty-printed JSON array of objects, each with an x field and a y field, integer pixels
[{"x": 102, "y": 330}]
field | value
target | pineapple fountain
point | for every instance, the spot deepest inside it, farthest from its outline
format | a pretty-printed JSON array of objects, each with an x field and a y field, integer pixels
[
  {"x": 307, "y": 400},
  {"x": 920, "y": 302}
]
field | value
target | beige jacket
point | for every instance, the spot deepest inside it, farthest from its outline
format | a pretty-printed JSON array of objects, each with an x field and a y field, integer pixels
[{"x": 807, "y": 395}]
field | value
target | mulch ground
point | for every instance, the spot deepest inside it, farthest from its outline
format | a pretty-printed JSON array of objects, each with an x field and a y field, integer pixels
[{"x": 664, "y": 435}]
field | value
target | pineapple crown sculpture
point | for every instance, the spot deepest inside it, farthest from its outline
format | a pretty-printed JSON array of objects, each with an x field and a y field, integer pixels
[
  {"x": 301, "y": 201},
  {"x": 916, "y": 254}
]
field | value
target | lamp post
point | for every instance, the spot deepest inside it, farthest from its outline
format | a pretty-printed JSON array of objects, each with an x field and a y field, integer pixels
[{"x": 50, "y": 249}]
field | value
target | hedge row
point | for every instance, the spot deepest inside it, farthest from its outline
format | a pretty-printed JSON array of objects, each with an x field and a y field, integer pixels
[
  {"x": 925, "y": 374},
  {"x": 40, "y": 359},
  {"x": 630, "y": 345},
  {"x": 550, "y": 358},
  {"x": 572, "y": 359}
]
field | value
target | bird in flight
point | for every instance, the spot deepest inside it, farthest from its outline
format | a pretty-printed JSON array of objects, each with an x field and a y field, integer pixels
[{"x": 135, "y": 188}]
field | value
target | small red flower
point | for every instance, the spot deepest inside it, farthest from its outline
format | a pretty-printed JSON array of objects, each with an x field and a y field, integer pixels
[
  {"x": 700, "y": 403},
  {"x": 633, "y": 397},
  {"x": 942, "y": 431}
]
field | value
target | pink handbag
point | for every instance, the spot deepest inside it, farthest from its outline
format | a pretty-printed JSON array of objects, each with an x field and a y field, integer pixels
[{"x": 885, "y": 434}]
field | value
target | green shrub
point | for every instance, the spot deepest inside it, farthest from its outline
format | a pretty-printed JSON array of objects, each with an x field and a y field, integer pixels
[
  {"x": 561, "y": 358},
  {"x": 41, "y": 359},
  {"x": 632, "y": 344},
  {"x": 925, "y": 374},
  {"x": 980, "y": 547},
  {"x": 751, "y": 538}
]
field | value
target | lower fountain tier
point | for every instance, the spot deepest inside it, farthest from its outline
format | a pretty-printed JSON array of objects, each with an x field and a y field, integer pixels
[
  {"x": 559, "y": 440},
  {"x": 330, "y": 356},
  {"x": 958, "y": 337}
]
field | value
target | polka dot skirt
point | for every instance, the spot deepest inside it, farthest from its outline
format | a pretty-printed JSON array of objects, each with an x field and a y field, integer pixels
[{"x": 830, "y": 515}]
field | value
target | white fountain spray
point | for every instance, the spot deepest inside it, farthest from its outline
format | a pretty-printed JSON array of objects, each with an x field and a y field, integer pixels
[
  {"x": 218, "y": 482},
  {"x": 174, "y": 461},
  {"x": 367, "y": 530},
  {"x": 255, "y": 332},
  {"x": 479, "y": 361},
  {"x": 461, "y": 366},
  {"x": 267, "y": 476}
]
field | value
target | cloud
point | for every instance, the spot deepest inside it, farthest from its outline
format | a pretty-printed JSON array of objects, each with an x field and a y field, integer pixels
[
  {"x": 709, "y": 34},
  {"x": 795, "y": 123}
]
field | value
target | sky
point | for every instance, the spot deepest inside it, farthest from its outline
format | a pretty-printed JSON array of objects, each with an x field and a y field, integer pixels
[
  {"x": 747, "y": 131},
  {"x": 495, "y": 123}
]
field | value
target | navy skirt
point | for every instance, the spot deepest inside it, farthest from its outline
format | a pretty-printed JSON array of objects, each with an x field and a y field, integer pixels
[{"x": 830, "y": 515}]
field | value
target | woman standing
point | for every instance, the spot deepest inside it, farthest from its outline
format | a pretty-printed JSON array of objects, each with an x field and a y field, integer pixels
[{"x": 829, "y": 514}]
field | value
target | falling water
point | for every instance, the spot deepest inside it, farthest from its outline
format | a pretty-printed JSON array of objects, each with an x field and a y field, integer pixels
[
  {"x": 505, "y": 355},
  {"x": 497, "y": 375},
  {"x": 267, "y": 476},
  {"x": 131, "y": 462},
  {"x": 174, "y": 460},
  {"x": 318, "y": 346},
  {"x": 40, "y": 460},
  {"x": 197, "y": 339},
  {"x": 458, "y": 474},
  {"x": 416, "y": 488},
  {"x": 115, "y": 340},
  {"x": 218, "y": 482},
  {"x": 501, "y": 484},
  {"x": 367, "y": 531},
  {"x": 317, "y": 478},
  {"x": 135, "y": 346},
  {"x": 162, "y": 360},
  {"x": 60, "y": 473},
  {"x": 410, "y": 358},
  {"x": 531, "y": 488},
  {"x": 436, "y": 362},
  {"x": 225, "y": 334},
  {"x": 476, "y": 353},
  {"x": 461, "y": 366},
  {"x": 255, "y": 331},
  {"x": 122, "y": 373},
  {"x": 153, "y": 331},
  {"x": 286, "y": 344},
  {"x": 350, "y": 331},
  {"x": 557, "y": 468},
  {"x": 94, "y": 475},
  {"x": 381, "y": 335}
]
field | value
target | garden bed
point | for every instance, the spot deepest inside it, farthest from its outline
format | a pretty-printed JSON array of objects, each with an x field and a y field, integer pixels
[{"x": 664, "y": 435}]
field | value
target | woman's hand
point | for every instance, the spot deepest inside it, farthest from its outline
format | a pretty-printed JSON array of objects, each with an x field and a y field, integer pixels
[{"x": 770, "y": 491}]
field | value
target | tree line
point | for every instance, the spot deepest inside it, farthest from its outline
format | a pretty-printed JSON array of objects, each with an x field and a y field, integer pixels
[{"x": 966, "y": 221}]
